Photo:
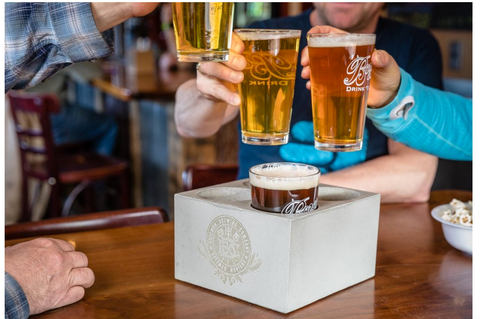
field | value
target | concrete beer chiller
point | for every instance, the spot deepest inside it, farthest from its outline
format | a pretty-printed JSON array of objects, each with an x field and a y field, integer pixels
[{"x": 277, "y": 261}]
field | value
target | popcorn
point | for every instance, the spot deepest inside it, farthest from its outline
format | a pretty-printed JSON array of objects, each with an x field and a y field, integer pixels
[{"x": 459, "y": 213}]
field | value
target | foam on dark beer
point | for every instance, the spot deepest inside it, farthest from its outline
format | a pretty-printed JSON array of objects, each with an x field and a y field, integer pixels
[{"x": 284, "y": 178}]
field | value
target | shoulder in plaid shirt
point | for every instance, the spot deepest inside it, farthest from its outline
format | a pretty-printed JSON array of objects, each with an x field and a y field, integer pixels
[{"x": 41, "y": 38}]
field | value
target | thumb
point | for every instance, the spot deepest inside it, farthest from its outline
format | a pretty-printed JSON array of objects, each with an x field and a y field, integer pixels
[
  {"x": 325, "y": 29},
  {"x": 385, "y": 79}
]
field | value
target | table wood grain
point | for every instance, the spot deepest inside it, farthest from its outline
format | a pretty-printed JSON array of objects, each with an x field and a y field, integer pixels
[{"x": 418, "y": 275}]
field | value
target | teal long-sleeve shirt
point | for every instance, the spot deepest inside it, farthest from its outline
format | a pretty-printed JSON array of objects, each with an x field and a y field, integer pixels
[{"x": 427, "y": 119}]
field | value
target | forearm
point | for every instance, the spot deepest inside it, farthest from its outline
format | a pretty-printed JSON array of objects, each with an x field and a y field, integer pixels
[
  {"x": 197, "y": 116},
  {"x": 436, "y": 122},
  {"x": 36, "y": 48},
  {"x": 405, "y": 175},
  {"x": 109, "y": 14}
]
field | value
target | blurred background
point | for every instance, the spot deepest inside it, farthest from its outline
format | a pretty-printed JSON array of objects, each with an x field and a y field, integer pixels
[{"x": 135, "y": 88}]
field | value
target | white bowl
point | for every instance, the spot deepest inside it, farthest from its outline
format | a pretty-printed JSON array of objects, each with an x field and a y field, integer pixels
[{"x": 459, "y": 236}]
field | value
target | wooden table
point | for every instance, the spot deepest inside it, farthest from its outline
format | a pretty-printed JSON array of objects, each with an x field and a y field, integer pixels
[{"x": 418, "y": 275}]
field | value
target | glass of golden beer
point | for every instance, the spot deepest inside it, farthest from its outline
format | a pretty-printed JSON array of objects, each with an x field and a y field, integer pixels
[
  {"x": 340, "y": 71},
  {"x": 285, "y": 188},
  {"x": 203, "y": 30},
  {"x": 267, "y": 89}
]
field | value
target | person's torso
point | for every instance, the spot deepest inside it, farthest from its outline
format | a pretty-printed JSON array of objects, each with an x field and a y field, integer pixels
[{"x": 402, "y": 41}]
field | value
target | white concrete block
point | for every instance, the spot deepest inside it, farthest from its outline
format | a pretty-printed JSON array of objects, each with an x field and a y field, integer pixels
[{"x": 281, "y": 262}]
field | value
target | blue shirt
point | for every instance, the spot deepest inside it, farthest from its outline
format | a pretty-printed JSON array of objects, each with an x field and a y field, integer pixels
[
  {"x": 16, "y": 304},
  {"x": 41, "y": 38},
  {"x": 414, "y": 49},
  {"x": 432, "y": 121}
]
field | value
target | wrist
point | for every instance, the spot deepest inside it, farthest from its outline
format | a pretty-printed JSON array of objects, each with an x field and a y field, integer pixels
[
  {"x": 388, "y": 97},
  {"x": 386, "y": 101},
  {"x": 109, "y": 14}
]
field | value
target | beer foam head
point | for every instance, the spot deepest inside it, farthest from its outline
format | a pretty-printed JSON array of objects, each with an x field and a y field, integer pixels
[
  {"x": 328, "y": 40},
  {"x": 266, "y": 34},
  {"x": 284, "y": 176}
]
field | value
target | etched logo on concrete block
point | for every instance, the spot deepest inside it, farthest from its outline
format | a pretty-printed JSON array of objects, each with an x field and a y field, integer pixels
[{"x": 228, "y": 248}]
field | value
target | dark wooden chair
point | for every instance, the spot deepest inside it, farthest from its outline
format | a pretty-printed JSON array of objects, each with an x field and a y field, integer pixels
[
  {"x": 44, "y": 161},
  {"x": 89, "y": 221},
  {"x": 203, "y": 175}
]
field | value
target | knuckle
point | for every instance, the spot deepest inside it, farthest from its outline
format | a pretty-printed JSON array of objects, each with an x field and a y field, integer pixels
[
  {"x": 90, "y": 277},
  {"x": 83, "y": 258},
  {"x": 202, "y": 86},
  {"x": 44, "y": 242},
  {"x": 217, "y": 91},
  {"x": 56, "y": 259},
  {"x": 78, "y": 293}
]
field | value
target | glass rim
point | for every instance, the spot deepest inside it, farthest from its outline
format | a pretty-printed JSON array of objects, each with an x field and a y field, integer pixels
[
  {"x": 316, "y": 170},
  {"x": 257, "y": 30},
  {"x": 327, "y": 35}
]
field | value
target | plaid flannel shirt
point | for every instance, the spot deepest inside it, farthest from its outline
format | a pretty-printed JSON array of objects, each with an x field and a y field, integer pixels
[
  {"x": 41, "y": 38},
  {"x": 16, "y": 304}
]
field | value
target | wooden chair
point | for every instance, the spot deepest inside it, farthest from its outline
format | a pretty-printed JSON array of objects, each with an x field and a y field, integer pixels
[
  {"x": 89, "y": 221},
  {"x": 42, "y": 160},
  {"x": 202, "y": 175}
]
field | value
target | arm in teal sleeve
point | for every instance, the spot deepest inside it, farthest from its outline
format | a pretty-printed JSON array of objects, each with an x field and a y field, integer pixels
[{"x": 427, "y": 119}]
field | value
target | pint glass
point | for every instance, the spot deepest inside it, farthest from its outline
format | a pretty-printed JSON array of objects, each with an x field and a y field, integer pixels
[
  {"x": 340, "y": 70},
  {"x": 267, "y": 89},
  {"x": 286, "y": 188},
  {"x": 203, "y": 30}
]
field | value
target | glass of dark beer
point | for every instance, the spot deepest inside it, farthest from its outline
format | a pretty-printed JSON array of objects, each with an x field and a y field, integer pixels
[
  {"x": 340, "y": 70},
  {"x": 285, "y": 188}
]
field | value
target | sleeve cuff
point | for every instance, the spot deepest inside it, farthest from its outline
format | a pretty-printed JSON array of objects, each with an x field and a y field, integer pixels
[
  {"x": 16, "y": 303},
  {"x": 77, "y": 32},
  {"x": 394, "y": 114}
]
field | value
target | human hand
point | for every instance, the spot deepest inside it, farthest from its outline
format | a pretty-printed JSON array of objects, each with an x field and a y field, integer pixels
[
  {"x": 109, "y": 14},
  {"x": 385, "y": 80},
  {"x": 51, "y": 273},
  {"x": 218, "y": 81},
  {"x": 140, "y": 9},
  {"x": 305, "y": 60}
]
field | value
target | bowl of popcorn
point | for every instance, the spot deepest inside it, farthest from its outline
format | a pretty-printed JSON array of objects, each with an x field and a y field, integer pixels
[{"x": 456, "y": 219}]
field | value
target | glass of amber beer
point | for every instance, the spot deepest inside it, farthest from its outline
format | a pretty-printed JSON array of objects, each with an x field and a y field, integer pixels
[
  {"x": 340, "y": 70},
  {"x": 203, "y": 30},
  {"x": 267, "y": 89},
  {"x": 286, "y": 188}
]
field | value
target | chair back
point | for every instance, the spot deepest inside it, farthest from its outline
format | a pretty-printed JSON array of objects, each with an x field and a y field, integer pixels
[
  {"x": 31, "y": 115},
  {"x": 203, "y": 175},
  {"x": 86, "y": 222}
]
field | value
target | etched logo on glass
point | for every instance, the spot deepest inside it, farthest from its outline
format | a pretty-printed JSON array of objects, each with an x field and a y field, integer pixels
[
  {"x": 359, "y": 72},
  {"x": 299, "y": 206},
  {"x": 267, "y": 69}
]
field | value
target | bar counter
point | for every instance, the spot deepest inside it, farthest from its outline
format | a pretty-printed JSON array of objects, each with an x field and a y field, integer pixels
[
  {"x": 418, "y": 275},
  {"x": 125, "y": 85}
]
